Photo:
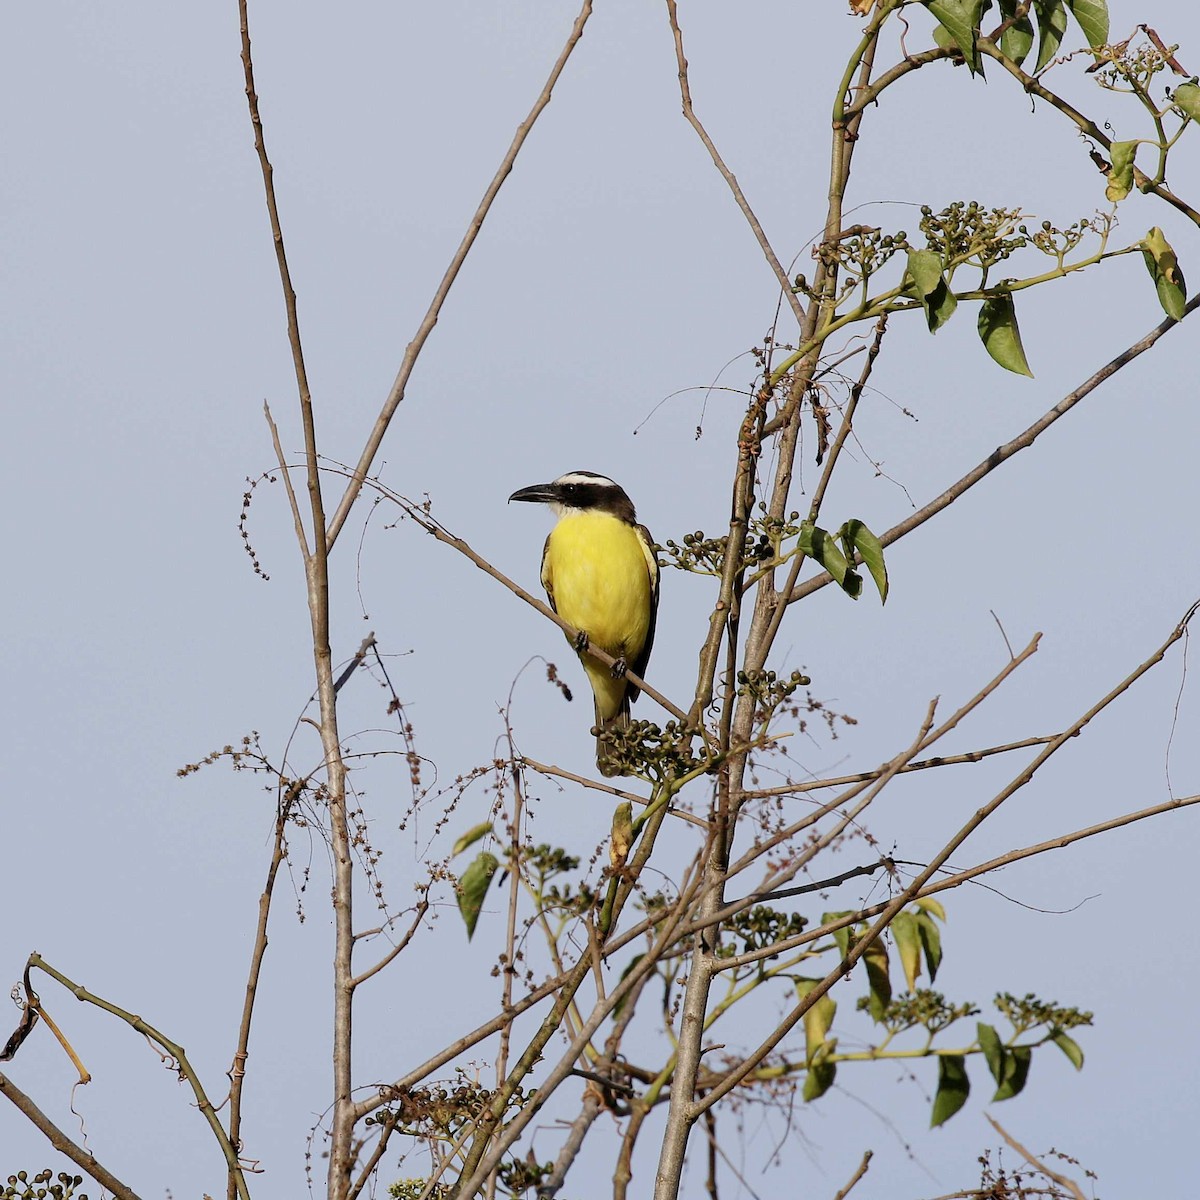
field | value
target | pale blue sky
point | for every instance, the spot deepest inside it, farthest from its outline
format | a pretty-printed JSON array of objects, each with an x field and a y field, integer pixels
[{"x": 141, "y": 330}]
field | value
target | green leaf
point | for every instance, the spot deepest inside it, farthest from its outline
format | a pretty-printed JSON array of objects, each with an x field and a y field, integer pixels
[
  {"x": 875, "y": 959},
  {"x": 817, "y": 1020},
  {"x": 931, "y": 942},
  {"x": 472, "y": 887},
  {"x": 960, "y": 19},
  {"x": 953, "y": 1088},
  {"x": 857, "y": 537},
  {"x": 1052, "y": 24},
  {"x": 1164, "y": 270},
  {"x": 908, "y": 943},
  {"x": 840, "y": 936},
  {"x": 1092, "y": 16},
  {"x": 821, "y": 1074},
  {"x": 993, "y": 1049},
  {"x": 822, "y": 548},
  {"x": 930, "y": 287},
  {"x": 1017, "y": 40},
  {"x": 1015, "y": 1073},
  {"x": 1120, "y": 177},
  {"x": 1187, "y": 100},
  {"x": 471, "y": 837},
  {"x": 931, "y": 904},
  {"x": 1000, "y": 335},
  {"x": 1070, "y": 1047}
]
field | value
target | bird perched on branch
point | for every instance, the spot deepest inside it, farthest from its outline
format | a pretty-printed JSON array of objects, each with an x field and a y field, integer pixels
[{"x": 600, "y": 573}]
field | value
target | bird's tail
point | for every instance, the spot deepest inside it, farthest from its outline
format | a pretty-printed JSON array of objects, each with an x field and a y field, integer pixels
[{"x": 604, "y": 749}]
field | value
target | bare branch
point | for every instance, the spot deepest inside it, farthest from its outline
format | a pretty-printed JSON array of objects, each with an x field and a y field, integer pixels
[
  {"x": 942, "y": 760},
  {"x": 764, "y": 244},
  {"x": 607, "y": 788},
  {"x": 862, "y": 1170},
  {"x": 237, "y": 1071}
]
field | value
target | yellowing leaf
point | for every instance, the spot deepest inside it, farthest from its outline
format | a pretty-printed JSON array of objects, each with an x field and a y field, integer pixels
[
  {"x": 817, "y": 1020},
  {"x": 1164, "y": 270},
  {"x": 1120, "y": 176},
  {"x": 908, "y": 944},
  {"x": 929, "y": 286},
  {"x": 622, "y": 835},
  {"x": 821, "y": 1073}
]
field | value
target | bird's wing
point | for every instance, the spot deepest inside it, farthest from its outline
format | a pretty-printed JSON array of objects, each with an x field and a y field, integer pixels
[
  {"x": 639, "y": 666},
  {"x": 547, "y": 577}
]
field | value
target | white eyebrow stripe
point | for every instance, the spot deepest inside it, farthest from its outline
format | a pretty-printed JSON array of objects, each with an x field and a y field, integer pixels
[{"x": 585, "y": 478}]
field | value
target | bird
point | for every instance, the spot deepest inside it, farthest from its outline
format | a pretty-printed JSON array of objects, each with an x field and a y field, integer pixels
[{"x": 601, "y": 575}]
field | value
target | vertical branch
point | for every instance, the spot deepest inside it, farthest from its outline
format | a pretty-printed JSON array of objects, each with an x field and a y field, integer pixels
[
  {"x": 237, "y": 1072},
  {"x": 737, "y": 727},
  {"x": 689, "y": 112},
  {"x": 316, "y": 569},
  {"x": 510, "y": 939}
]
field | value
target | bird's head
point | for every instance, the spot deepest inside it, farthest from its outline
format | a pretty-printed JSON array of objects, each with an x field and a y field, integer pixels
[{"x": 580, "y": 491}]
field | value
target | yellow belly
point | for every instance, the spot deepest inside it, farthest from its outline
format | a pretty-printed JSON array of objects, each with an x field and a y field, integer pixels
[{"x": 598, "y": 574}]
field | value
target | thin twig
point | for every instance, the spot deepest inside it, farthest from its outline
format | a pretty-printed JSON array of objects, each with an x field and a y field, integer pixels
[
  {"x": 689, "y": 111},
  {"x": 237, "y": 1071},
  {"x": 606, "y": 788},
  {"x": 942, "y": 760},
  {"x": 293, "y": 503},
  {"x": 862, "y": 1170},
  {"x": 398, "y": 948},
  {"x": 1035, "y": 1162}
]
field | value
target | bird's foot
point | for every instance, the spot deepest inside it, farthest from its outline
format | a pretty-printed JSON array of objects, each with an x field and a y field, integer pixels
[
  {"x": 620, "y": 668},
  {"x": 581, "y": 641}
]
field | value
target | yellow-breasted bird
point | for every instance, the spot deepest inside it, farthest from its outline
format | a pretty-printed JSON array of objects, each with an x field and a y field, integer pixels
[{"x": 600, "y": 573}]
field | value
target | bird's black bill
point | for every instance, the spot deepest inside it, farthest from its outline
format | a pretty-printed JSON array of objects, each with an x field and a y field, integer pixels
[{"x": 538, "y": 493}]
